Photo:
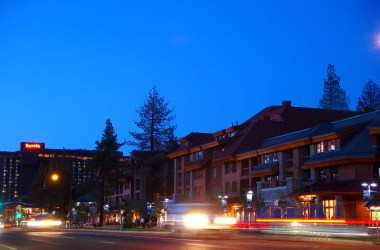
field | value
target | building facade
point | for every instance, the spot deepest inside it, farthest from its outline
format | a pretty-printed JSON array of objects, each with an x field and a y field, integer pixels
[
  {"x": 19, "y": 170},
  {"x": 294, "y": 159}
]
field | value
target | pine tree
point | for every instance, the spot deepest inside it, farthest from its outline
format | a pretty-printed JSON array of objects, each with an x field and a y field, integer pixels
[
  {"x": 334, "y": 98},
  {"x": 156, "y": 138},
  {"x": 370, "y": 98},
  {"x": 157, "y": 132},
  {"x": 105, "y": 160}
]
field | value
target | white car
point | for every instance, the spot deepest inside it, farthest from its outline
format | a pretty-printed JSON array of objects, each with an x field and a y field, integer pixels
[{"x": 197, "y": 217}]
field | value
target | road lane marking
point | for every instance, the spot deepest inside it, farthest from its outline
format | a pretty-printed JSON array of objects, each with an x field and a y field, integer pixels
[
  {"x": 8, "y": 247},
  {"x": 68, "y": 237},
  {"x": 108, "y": 242}
]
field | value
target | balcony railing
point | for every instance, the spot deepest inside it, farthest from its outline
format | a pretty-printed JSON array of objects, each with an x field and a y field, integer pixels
[{"x": 273, "y": 184}]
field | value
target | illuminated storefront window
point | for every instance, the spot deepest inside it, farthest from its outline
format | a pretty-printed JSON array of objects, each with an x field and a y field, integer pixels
[{"x": 329, "y": 209}]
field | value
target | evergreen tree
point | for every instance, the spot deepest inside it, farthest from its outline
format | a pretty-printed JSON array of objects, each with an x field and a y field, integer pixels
[
  {"x": 334, "y": 98},
  {"x": 106, "y": 159},
  {"x": 149, "y": 161},
  {"x": 157, "y": 132},
  {"x": 370, "y": 98}
]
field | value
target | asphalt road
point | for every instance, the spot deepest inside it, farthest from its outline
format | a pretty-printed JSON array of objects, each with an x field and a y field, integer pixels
[{"x": 23, "y": 239}]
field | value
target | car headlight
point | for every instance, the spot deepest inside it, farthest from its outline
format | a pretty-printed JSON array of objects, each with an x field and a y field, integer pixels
[
  {"x": 225, "y": 220},
  {"x": 195, "y": 220}
]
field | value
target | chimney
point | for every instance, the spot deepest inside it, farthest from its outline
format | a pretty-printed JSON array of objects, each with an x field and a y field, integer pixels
[{"x": 286, "y": 103}]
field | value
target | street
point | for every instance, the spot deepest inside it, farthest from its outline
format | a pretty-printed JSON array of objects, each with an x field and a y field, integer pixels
[{"x": 22, "y": 239}]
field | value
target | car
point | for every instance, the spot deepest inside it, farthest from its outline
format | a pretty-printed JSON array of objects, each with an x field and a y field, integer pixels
[
  {"x": 5, "y": 224},
  {"x": 197, "y": 217}
]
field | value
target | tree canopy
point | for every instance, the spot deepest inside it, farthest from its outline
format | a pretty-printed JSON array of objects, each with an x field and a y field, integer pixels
[
  {"x": 370, "y": 97},
  {"x": 334, "y": 97},
  {"x": 156, "y": 130},
  {"x": 105, "y": 160}
]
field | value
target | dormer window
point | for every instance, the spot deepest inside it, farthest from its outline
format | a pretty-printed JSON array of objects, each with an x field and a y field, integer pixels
[
  {"x": 196, "y": 156},
  {"x": 269, "y": 158},
  {"x": 232, "y": 134},
  {"x": 326, "y": 146}
]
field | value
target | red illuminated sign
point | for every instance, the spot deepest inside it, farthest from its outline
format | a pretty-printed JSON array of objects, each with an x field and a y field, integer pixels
[{"x": 32, "y": 146}]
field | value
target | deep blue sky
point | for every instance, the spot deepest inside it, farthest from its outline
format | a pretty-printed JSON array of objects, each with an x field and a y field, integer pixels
[{"x": 67, "y": 66}]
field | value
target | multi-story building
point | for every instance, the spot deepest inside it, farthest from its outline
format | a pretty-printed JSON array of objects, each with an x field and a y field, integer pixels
[
  {"x": 19, "y": 169},
  {"x": 318, "y": 172},
  {"x": 246, "y": 157}
]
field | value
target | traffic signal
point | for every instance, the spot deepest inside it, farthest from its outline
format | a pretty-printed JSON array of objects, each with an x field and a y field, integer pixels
[{"x": 18, "y": 215}]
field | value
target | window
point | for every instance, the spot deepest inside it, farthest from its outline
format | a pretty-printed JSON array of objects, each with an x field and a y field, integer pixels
[
  {"x": 227, "y": 168},
  {"x": 334, "y": 174},
  {"x": 329, "y": 209},
  {"x": 269, "y": 158},
  {"x": 138, "y": 184},
  {"x": 230, "y": 167},
  {"x": 214, "y": 172},
  {"x": 234, "y": 186},
  {"x": 323, "y": 174},
  {"x": 234, "y": 168},
  {"x": 328, "y": 174},
  {"x": 200, "y": 174},
  {"x": 325, "y": 146},
  {"x": 227, "y": 187},
  {"x": 196, "y": 156}
]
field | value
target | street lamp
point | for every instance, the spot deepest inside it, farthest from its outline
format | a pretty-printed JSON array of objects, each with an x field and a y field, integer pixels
[
  {"x": 249, "y": 205},
  {"x": 249, "y": 199},
  {"x": 367, "y": 193},
  {"x": 166, "y": 201},
  {"x": 149, "y": 206},
  {"x": 367, "y": 196},
  {"x": 223, "y": 199},
  {"x": 54, "y": 177}
]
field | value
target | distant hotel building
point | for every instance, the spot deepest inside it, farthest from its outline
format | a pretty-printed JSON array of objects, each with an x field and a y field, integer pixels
[{"x": 19, "y": 169}]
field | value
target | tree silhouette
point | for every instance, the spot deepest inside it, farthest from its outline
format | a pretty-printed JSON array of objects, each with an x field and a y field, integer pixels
[
  {"x": 157, "y": 132},
  {"x": 106, "y": 160},
  {"x": 370, "y": 97},
  {"x": 334, "y": 98}
]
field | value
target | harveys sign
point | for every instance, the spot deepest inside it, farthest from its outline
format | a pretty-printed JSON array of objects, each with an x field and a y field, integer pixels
[{"x": 32, "y": 146}]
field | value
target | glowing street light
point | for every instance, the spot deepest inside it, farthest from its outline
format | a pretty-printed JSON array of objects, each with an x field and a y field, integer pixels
[
  {"x": 249, "y": 199},
  {"x": 223, "y": 199},
  {"x": 369, "y": 185},
  {"x": 367, "y": 193},
  {"x": 54, "y": 177}
]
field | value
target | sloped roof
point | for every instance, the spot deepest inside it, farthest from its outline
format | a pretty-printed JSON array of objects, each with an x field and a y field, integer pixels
[
  {"x": 194, "y": 139},
  {"x": 265, "y": 167},
  {"x": 358, "y": 146},
  {"x": 362, "y": 121},
  {"x": 269, "y": 122},
  {"x": 277, "y": 120}
]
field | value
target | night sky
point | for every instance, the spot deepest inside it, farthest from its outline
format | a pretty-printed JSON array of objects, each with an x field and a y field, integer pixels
[{"x": 67, "y": 66}]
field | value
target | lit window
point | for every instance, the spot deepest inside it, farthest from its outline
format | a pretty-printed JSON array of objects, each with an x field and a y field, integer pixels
[{"x": 325, "y": 146}]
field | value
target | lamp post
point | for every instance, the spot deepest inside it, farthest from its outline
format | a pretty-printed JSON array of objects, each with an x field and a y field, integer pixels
[
  {"x": 367, "y": 193},
  {"x": 367, "y": 196},
  {"x": 249, "y": 205},
  {"x": 149, "y": 206},
  {"x": 166, "y": 201},
  {"x": 223, "y": 200}
]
